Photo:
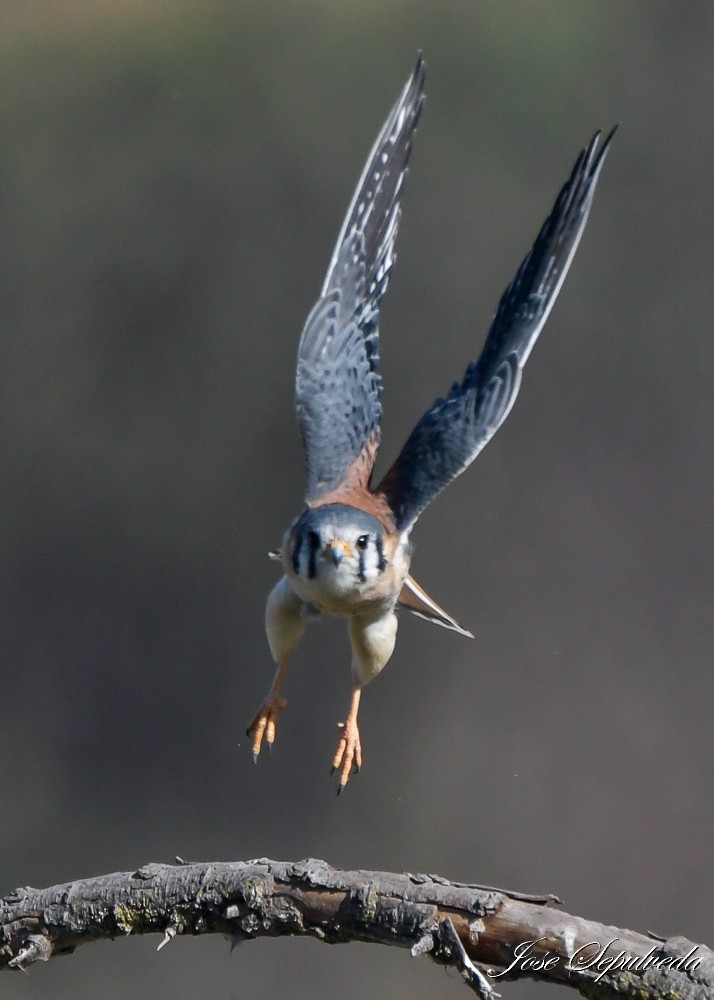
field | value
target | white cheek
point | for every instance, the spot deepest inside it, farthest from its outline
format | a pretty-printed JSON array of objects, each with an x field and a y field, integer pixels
[
  {"x": 369, "y": 560},
  {"x": 304, "y": 561}
]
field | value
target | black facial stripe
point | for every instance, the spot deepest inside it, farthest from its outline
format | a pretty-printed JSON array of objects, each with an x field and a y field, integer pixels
[
  {"x": 313, "y": 541},
  {"x": 361, "y": 573},
  {"x": 296, "y": 555},
  {"x": 382, "y": 562}
]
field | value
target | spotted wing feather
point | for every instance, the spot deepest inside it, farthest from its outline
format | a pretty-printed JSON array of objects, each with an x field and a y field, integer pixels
[
  {"x": 454, "y": 430},
  {"x": 337, "y": 381}
]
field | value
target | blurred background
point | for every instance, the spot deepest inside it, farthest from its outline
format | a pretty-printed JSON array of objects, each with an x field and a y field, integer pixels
[{"x": 172, "y": 179}]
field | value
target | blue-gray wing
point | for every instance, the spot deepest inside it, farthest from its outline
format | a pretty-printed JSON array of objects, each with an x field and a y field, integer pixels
[
  {"x": 337, "y": 384},
  {"x": 451, "y": 434}
]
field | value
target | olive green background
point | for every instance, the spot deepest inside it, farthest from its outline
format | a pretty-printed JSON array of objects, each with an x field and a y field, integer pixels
[{"x": 172, "y": 178}]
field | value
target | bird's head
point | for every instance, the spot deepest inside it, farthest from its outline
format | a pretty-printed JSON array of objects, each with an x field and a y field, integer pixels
[{"x": 342, "y": 547}]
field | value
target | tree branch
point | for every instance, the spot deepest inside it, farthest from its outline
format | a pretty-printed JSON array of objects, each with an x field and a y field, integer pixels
[{"x": 509, "y": 935}]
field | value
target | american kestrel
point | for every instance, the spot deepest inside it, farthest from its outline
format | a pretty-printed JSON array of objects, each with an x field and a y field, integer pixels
[{"x": 348, "y": 553}]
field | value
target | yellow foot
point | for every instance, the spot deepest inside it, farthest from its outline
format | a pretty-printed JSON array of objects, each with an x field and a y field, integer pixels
[
  {"x": 348, "y": 756},
  {"x": 263, "y": 723}
]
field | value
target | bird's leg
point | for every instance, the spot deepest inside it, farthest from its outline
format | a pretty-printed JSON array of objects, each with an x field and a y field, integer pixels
[
  {"x": 264, "y": 721},
  {"x": 372, "y": 640},
  {"x": 284, "y": 625},
  {"x": 349, "y": 749}
]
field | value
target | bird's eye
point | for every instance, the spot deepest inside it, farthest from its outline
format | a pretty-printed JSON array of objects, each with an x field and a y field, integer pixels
[
  {"x": 313, "y": 539},
  {"x": 362, "y": 541}
]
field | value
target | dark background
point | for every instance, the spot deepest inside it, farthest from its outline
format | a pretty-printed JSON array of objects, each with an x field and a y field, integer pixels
[{"x": 172, "y": 179}]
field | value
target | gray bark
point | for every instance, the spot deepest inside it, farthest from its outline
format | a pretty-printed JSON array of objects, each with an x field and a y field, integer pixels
[{"x": 483, "y": 932}]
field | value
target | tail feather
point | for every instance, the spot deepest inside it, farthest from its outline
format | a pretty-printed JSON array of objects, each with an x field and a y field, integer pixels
[{"x": 416, "y": 600}]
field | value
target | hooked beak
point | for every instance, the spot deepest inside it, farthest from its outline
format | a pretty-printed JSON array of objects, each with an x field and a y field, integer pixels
[{"x": 336, "y": 551}]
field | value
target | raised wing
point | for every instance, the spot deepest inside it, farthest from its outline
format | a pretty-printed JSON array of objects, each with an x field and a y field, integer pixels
[
  {"x": 451, "y": 434},
  {"x": 337, "y": 385}
]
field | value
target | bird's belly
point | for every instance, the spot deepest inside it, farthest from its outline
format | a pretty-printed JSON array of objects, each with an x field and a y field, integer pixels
[{"x": 333, "y": 598}]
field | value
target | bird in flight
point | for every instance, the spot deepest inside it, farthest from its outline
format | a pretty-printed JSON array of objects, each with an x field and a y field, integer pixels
[{"x": 348, "y": 553}]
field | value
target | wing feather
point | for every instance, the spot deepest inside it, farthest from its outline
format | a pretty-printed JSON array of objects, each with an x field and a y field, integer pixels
[
  {"x": 454, "y": 430},
  {"x": 337, "y": 384}
]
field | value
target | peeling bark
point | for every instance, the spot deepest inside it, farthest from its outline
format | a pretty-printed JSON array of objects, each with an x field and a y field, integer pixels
[{"x": 488, "y": 934}]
